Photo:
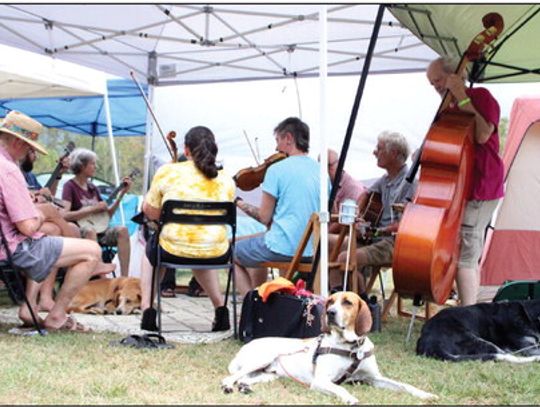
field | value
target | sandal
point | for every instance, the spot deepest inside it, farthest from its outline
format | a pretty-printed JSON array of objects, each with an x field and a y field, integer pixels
[
  {"x": 195, "y": 289},
  {"x": 70, "y": 325},
  {"x": 149, "y": 341},
  {"x": 168, "y": 293}
]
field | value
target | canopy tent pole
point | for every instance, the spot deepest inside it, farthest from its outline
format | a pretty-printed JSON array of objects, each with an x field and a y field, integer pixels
[
  {"x": 350, "y": 127},
  {"x": 112, "y": 146},
  {"x": 151, "y": 78},
  {"x": 324, "y": 215}
]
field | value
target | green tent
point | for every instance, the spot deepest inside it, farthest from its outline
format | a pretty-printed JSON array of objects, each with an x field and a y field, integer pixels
[{"x": 448, "y": 29}]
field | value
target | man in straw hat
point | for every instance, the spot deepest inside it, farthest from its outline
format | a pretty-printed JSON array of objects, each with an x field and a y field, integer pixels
[{"x": 20, "y": 221}]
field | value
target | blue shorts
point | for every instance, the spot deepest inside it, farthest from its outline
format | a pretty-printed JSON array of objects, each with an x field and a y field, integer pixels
[{"x": 253, "y": 251}]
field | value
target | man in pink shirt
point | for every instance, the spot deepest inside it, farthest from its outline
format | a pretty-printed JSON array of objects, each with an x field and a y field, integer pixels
[
  {"x": 20, "y": 221},
  {"x": 488, "y": 170}
]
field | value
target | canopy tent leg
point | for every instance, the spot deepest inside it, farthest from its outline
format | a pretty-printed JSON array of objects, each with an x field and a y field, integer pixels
[
  {"x": 350, "y": 127},
  {"x": 112, "y": 146},
  {"x": 324, "y": 216}
]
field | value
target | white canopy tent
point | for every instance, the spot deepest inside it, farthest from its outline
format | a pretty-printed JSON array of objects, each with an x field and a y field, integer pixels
[
  {"x": 173, "y": 44},
  {"x": 183, "y": 43}
]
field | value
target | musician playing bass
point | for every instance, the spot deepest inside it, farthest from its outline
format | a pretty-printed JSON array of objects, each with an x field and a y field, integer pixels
[
  {"x": 85, "y": 201},
  {"x": 391, "y": 152},
  {"x": 488, "y": 170}
]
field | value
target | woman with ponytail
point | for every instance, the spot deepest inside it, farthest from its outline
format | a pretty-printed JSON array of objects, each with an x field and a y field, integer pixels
[{"x": 198, "y": 178}]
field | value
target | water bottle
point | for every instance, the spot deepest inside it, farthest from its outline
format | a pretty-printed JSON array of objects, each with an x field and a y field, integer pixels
[{"x": 375, "y": 310}]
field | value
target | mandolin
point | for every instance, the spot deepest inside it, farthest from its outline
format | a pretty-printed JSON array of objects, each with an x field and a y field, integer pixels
[{"x": 100, "y": 221}]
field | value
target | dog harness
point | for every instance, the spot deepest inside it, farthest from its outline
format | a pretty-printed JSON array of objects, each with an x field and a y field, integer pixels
[{"x": 355, "y": 354}]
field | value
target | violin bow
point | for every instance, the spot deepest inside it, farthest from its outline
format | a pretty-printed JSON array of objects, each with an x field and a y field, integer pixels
[
  {"x": 251, "y": 148},
  {"x": 152, "y": 114}
]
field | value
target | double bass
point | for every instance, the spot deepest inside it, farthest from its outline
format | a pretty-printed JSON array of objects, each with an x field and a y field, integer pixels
[{"x": 427, "y": 244}]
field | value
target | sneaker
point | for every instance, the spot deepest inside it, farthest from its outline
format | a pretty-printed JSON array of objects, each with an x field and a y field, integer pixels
[{"x": 221, "y": 319}]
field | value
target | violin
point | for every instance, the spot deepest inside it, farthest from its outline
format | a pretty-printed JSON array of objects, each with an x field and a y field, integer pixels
[
  {"x": 172, "y": 144},
  {"x": 427, "y": 245},
  {"x": 250, "y": 178}
]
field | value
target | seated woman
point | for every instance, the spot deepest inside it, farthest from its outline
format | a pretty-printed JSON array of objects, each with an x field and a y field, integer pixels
[
  {"x": 85, "y": 202},
  {"x": 198, "y": 178}
]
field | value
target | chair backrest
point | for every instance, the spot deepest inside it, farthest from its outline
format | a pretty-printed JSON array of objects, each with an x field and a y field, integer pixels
[{"x": 218, "y": 213}]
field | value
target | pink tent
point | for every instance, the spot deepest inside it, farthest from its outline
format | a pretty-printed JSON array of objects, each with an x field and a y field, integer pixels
[{"x": 512, "y": 251}]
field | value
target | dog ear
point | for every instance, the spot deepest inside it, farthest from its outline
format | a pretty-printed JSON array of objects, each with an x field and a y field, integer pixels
[
  {"x": 324, "y": 325},
  {"x": 363, "y": 321}
]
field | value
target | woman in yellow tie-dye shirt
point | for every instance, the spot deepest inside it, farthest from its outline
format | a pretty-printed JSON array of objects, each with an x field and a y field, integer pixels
[{"x": 196, "y": 179}]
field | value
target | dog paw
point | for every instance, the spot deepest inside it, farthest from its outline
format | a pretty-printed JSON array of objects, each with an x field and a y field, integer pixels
[
  {"x": 351, "y": 400},
  {"x": 244, "y": 388},
  {"x": 424, "y": 395},
  {"x": 227, "y": 389}
]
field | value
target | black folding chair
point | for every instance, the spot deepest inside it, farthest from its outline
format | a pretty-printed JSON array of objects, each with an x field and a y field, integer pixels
[
  {"x": 7, "y": 266},
  {"x": 207, "y": 213}
]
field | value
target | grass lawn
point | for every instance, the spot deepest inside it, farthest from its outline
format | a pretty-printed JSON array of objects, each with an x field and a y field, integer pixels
[{"x": 71, "y": 368}]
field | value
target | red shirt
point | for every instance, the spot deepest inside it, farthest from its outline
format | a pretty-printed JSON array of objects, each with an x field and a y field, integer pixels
[{"x": 488, "y": 169}]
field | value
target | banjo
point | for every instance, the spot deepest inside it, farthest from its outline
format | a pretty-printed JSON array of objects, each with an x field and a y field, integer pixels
[{"x": 100, "y": 221}]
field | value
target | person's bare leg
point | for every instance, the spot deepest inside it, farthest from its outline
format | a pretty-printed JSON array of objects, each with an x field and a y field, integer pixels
[
  {"x": 208, "y": 279},
  {"x": 258, "y": 276},
  {"x": 361, "y": 261},
  {"x": 146, "y": 282},
  {"x": 46, "y": 300},
  {"x": 32, "y": 290},
  {"x": 123, "y": 250},
  {"x": 82, "y": 257},
  {"x": 468, "y": 285},
  {"x": 243, "y": 279}
]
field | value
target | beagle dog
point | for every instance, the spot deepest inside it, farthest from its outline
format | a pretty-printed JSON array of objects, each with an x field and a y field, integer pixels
[
  {"x": 120, "y": 296},
  {"x": 342, "y": 354}
]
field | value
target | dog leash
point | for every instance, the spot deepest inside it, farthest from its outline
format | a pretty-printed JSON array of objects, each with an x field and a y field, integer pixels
[{"x": 305, "y": 349}]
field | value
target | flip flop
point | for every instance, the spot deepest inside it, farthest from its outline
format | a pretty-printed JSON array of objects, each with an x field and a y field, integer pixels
[
  {"x": 70, "y": 325},
  {"x": 156, "y": 341},
  {"x": 149, "y": 341}
]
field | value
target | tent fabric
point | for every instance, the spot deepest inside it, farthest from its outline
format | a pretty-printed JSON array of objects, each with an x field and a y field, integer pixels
[
  {"x": 196, "y": 43},
  {"x": 449, "y": 29},
  {"x": 512, "y": 250},
  {"x": 29, "y": 77},
  {"x": 86, "y": 115}
]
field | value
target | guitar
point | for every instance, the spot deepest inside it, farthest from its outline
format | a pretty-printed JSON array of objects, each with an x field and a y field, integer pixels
[
  {"x": 371, "y": 216},
  {"x": 100, "y": 221}
]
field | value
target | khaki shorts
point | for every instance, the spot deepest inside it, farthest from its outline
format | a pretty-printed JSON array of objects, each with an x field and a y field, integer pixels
[
  {"x": 380, "y": 253},
  {"x": 473, "y": 228}
]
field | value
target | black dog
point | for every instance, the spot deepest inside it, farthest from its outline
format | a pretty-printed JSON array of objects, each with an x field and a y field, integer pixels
[{"x": 489, "y": 331}]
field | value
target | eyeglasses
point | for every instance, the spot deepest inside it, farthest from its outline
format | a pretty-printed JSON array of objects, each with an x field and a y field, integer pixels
[{"x": 332, "y": 164}]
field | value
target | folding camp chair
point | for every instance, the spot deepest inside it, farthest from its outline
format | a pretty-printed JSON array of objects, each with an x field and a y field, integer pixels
[
  {"x": 206, "y": 213},
  {"x": 8, "y": 266}
]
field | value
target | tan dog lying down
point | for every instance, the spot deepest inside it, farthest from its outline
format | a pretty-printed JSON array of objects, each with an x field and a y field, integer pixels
[
  {"x": 120, "y": 295},
  {"x": 342, "y": 354}
]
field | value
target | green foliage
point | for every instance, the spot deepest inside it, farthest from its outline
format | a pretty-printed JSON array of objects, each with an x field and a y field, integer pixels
[{"x": 129, "y": 152}]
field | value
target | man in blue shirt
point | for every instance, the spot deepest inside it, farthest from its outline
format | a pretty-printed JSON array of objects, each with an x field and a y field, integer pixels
[{"x": 290, "y": 195}]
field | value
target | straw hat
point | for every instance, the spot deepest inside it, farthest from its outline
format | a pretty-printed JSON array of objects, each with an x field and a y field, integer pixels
[{"x": 23, "y": 127}]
